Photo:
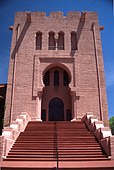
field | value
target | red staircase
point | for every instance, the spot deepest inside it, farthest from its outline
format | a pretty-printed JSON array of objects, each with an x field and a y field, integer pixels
[{"x": 55, "y": 144}]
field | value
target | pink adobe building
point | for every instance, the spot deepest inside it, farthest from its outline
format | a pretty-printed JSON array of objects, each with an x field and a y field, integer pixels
[
  {"x": 56, "y": 66},
  {"x": 56, "y": 106}
]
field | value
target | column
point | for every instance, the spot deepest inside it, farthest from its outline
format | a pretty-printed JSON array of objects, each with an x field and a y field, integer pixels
[
  {"x": 45, "y": 42},
  {"x": 67, "y": 41},
  {"x": 39, "y": 100},
  {"x": 74, "y": 111},
  {"x": 60, "y": 77},
  {"x": 56, "y": 40}
]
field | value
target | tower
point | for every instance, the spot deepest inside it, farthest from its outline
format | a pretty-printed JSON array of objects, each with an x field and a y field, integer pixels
[
  {"x": 56, "y": 105},
  {"x": 56, "y": 67}
]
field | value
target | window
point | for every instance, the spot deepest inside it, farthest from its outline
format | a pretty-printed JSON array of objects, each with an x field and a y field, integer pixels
[
  {"x": 65, "y": 78},
  {"x": 43, "y": 115},
  {"x": 56, "y": 78},
  {"x": 73, "y": 41},
  {"x": 60, "y": 42},
  {"x": 38, "y": 41},
  {"x": 46, "y": 79},
  {"x": 51, "y": 41}
]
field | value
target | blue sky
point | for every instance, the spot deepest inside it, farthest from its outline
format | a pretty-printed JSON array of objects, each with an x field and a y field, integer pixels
[{"x": 104, "y": 8}]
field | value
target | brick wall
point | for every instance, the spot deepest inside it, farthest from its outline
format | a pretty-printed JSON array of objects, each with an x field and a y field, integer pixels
[
  {"x": 1, "y": 147},
  {"x": 27, "y": 64},
  {"x": 112, "y": 147}
]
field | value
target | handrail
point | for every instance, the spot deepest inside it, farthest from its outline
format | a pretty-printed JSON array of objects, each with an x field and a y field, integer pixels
[
  {"x": 38, "y": 47},
  {"x": 56, "y": 144},
  {"x": 56, "y": 47}
]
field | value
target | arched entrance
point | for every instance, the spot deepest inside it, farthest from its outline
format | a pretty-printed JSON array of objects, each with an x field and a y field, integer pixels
[
  {"x": 56, "y": 110},
  {"x": 56, "y": 99}
]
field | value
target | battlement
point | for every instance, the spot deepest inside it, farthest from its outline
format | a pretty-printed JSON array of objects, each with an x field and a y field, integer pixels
[{"x": 58, "y": 14}]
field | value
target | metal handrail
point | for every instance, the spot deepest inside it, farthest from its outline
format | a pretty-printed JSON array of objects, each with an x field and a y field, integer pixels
[
  {"x": 52, "y": 47},
  {"x": 39, "y": 47},
  {"x": 56, "y": 47},
  {"x": 56, "y": 145}
]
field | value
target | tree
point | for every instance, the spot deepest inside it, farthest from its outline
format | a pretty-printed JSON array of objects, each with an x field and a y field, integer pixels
[{"x": 111, "y": 121}]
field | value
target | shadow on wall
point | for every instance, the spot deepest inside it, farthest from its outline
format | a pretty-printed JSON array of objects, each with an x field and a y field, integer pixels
[
  {"x": 79, "y": 31},
  {"x": 21, "y": 36},
  {"x": 2, "y": 104}
]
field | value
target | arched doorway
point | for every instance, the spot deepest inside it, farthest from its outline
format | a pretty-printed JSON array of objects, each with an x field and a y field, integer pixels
[
  {"x": 56, "y": 98},
  {"x": 56, "y": 110}
]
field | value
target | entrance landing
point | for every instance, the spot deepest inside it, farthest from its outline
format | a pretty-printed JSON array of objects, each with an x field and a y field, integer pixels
[{"x": 27, "y": 165}]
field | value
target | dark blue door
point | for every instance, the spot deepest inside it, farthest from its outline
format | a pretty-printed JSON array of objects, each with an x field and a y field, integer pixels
[{"x": 56, "y": 110}]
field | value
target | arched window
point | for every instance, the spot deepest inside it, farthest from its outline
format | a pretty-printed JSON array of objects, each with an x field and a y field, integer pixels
[
  {"x": 65, "y": 78},
  {"x": 38, "y": 41},
  {"x": 60, "y": 42},
  {"x": 51, "y": 41},
  {"x": 68, "y": 115},
  {"x": 46, "y": 78},
  {"x": 43, "y": 115},
  {"x": 73, "y": 41},
  {"x": 56, "y": 78}
]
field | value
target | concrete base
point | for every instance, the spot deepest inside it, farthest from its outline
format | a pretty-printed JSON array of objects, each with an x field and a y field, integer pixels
[
  {"x": 107, "y": 165},
  {"x": 74, "y": 120},
  {"x": 39, "y": 120}
]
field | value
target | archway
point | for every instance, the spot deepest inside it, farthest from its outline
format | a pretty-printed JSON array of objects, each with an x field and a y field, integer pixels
[
  {"x": 56, "y": 82},
  {"x": 56, "y": 110}
]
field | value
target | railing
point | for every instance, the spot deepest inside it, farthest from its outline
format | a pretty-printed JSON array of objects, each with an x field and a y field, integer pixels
[
  {"x": 56, "y": 48},
  {"x": 60, "y": 47},
  {"x": 51, "y": 48},
  {"x": 38, "y": 47},
  {"x": 56, "y": 145}
]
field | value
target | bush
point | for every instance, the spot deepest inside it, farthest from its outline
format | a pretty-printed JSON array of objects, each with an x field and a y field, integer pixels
[{"x": 111, "y": 121}]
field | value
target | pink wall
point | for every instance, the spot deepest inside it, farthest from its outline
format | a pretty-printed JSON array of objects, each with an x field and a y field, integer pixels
[{"x": 27, "y": 65}]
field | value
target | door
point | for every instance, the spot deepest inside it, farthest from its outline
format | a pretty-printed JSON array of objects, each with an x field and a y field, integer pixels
[{"x": 56, "y": 110}]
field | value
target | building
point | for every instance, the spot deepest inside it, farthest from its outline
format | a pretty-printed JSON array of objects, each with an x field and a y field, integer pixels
[
  {"x": 56, "y": 60},
  {"x": 56, "y": 70}
]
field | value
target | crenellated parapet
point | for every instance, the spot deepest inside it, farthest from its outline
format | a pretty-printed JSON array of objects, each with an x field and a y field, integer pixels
[{"x": 58, "y": 14}]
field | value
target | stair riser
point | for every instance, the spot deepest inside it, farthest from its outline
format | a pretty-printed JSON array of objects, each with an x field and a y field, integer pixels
[{"x": 38, "y": 143}]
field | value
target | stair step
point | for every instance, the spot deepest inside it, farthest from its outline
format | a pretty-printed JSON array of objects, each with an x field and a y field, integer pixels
[
  {"x": 52, "y": 152},
  {"x": 81, "y": 147},
  {"x": 59, "y": 144},
  {"x": 63, "y": 165},
  {"x": 53, "y": 159},
  {"x": 38, "y": 143},
  {"x": 59, "y": 150},
  {"x": 54, "y": 156}
]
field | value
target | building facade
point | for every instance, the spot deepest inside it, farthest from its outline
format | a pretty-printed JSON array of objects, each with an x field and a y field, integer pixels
[{"x": 56, "y": 67}]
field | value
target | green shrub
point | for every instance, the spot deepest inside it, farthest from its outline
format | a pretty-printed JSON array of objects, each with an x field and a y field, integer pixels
[{"x": 111, "y": 121}]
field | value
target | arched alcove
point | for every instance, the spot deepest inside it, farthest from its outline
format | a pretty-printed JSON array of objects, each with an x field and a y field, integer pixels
[
  {"x": 39, "y": 40},
  {"x": 56, "y": 85},
  {"x": 57, "y": 65},
  {"x": 51, "y": 41},
  {"x": 73, "y": 40},
  {"x": 60, "y": 41}
]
